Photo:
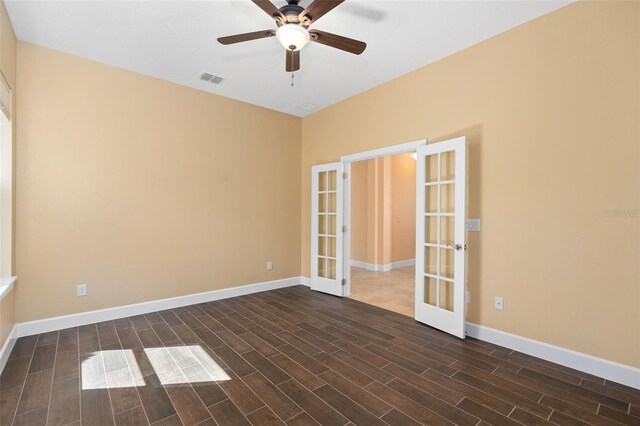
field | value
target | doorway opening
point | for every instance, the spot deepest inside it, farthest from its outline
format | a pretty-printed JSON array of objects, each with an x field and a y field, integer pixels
[
  {"x": 383, "y": 232},
  {"x": 440, "y": 206}
]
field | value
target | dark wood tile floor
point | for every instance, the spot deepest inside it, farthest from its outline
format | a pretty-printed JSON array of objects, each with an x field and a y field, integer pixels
[{"x": 294, "y": 357}]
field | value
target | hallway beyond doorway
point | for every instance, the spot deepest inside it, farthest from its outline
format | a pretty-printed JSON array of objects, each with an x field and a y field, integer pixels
[{"x": 393, "y": 290}]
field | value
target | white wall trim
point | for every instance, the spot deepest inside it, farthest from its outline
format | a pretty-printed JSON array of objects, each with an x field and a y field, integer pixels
[
  {"x": 382, "y": 268},
  {"x": 403, "y": 263},
  {"x": 75, "y": 320},
  {"x": 306, "y": 281},
  {"x": 360, "y": 264},
  {"x": 347, "y": 160},
  {"x": 609, "y": 370},
  {"x": 6, "y": 285},
  {"x": 7, "y": 347},
  {"x": 383, "y": 152}
]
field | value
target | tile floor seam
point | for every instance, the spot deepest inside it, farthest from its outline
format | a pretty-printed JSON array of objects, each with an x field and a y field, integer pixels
[
  {"x": 53, "y": 373},
  {"x": 131, "y": 371},
  {"x": 15, "y": 413}
]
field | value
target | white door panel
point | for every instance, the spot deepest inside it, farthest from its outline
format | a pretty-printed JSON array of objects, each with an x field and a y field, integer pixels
[
  {"x": 327, "y": 198},
  {"x": 440, "y": 235}
]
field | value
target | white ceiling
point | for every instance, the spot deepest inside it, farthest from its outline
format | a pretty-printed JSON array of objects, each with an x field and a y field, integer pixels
[{"x": 176, "y": 41}]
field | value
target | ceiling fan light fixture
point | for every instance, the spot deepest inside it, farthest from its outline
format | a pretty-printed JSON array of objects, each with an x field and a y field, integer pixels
[{"x": 292, "y": 36}]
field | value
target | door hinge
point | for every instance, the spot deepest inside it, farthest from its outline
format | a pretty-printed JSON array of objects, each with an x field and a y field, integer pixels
[
  {"x": 344, "y": 281},
  {"x": 344, "y": 175},
  {"x": 344, "y": 228}
]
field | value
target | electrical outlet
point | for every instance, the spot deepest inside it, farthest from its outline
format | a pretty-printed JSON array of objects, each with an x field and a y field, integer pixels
[
  {"x": 81, "y": 290},
  {"x": 499, "y": 303},
  {"x": 467, "y": 296},
  {"x": 269, "y": 265}
]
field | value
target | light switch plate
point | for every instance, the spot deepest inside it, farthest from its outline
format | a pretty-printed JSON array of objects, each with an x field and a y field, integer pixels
[
  {"x": 473, "y": 225},
  {"x": 81, "y": 290}
]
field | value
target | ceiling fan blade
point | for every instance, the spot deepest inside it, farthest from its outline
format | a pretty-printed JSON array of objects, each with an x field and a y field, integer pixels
[
  {"x": 339, "y": 42},
  {"x": 238, "y": 38},
  {"x": 293, "y": 60},
  {"x": 270, "y": 9},
  {"x": 316, "y": 10}
]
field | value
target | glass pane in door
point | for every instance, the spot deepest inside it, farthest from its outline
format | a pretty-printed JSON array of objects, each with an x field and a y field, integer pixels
[
  {"x": 331, "y": 269},
  {"x": 322, "y": 246},
  {"x": 331, "y": 203},
  {"x": 322, "y": 181},
  {"x": 431, "y": 229},
  {"x": 446, "y": 262},
  {"x": 327, "y": 204},
  {"x": 439, "y": 204},
  {"x": 431, "y": 260},
  {"x": 327, "y": 217},
  {"x": 331, "y": 224},
  {"x": 431, "y": 199},
  {"x": 331, "y": 177},
  {"x": 448, "y": 165},
  {"x": 322, "y": 267},
  {"x": 331, "y": 246},
  {"x": 322, "y": 202},
  {"x": 322, "y": 224},
  {"x": 446, "y": 295},
  {"x": 447, "y": 198},
  {"x": 430, "y": 291},
  {"x": 447, "y": 228},
  {"x": 431, "y": 163}
]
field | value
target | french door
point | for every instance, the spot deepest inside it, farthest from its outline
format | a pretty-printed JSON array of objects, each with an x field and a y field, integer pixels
[
  {"x": 327, "y": 192},
  {"x": 440, "y": 235}
]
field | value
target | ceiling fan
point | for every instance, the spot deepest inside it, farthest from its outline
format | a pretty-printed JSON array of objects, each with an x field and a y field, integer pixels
[{"x": 293, "y": 34}]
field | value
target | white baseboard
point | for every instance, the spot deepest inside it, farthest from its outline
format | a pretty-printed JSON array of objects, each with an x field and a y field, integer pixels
[
  {"x": 306, "y": 281},
  {"x": 7, "y": 347},
  {"x": 83, "y": 318},
  {"x": 382, "y": 268},
  {"x": 609, "y": 370}
]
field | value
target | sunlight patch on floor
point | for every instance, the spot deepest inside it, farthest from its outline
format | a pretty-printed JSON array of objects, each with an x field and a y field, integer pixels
[{"x": 123, "y": 368}]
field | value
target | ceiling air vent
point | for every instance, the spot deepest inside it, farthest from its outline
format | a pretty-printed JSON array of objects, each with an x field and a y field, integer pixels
[
  {"x": 307, "y": 106},
  {"x": 211, "y": 78}
]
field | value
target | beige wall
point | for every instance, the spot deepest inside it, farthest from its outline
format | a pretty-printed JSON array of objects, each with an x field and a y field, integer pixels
[
  {"x": 359, "y": 209},
  {"x": 7, "y": 193},
  {"x": 551, "y": 111},
  {"x": 378, "y": 211},
  {"x": 7, "y": 315},
  {"x": 144, "y": 189},
  {"x": 8, "y": 68},
  {"x": 383, "y": 200},
  {"x": 403, "y": 207}
]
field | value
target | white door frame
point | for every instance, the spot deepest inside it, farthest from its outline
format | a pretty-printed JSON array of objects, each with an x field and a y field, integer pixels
[{"x": 347, "y": 160}]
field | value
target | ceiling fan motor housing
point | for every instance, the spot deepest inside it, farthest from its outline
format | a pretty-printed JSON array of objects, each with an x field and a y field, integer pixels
[{"x": 292, "y": 11}]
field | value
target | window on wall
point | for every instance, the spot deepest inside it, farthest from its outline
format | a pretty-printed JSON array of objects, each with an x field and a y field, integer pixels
[{"x": 6, "y": 179}]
